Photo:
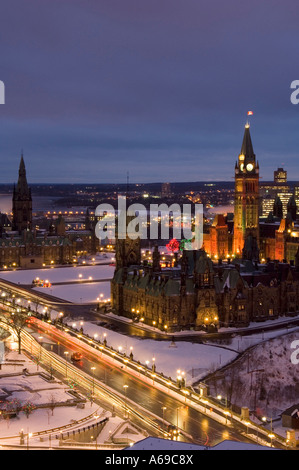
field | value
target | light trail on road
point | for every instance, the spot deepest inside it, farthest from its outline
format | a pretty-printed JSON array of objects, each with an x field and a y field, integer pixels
[{"x": 142, "y": 397}]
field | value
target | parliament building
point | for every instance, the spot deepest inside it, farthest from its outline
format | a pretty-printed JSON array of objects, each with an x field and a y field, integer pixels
[
  {"x": 246, "y": 271},
  {"x": 23, "y": 245}
]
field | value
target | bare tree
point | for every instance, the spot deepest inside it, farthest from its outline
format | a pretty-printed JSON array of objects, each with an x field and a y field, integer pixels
[
  {"x": 52, "y": 403},
  {"x": 18, "y": 321}
]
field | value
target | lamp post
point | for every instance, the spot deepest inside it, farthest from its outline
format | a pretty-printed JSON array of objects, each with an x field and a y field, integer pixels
[
  {"x": 40, "y": 348},
  {"x": 265, "y": 419},
  {"x": 93, "y": 369},
  {"x": 177, "y": 418},
  {"x": 96, "y": 418},
  {"x": 66, "y": 354},
  {"x": 163, "y": 411},
  {"x": 29, "y": 434},
  {"x": 246, "y": 424},
  {"x": 271, "y": 435},
  {"x": 125, "y": 387},
  {"x": 180, "y": 378}
]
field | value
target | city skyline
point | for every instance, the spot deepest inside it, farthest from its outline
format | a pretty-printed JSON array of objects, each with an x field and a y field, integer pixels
[
  {"x": 158, "y": 90},
  {"x": 149, "y": 227}
]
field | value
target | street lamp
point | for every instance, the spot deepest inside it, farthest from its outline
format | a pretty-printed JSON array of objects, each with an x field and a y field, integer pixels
[
  {"x": 180, "y": 378},
  {"x": 125, "y": 387},
  {"x": 226, "y": 412},
  {"x": 96, "y": 417},
  {"x": 29, "y": 434},
  {"x": 205, "y": 403},
  {"x": 40, "y": 348},
  {"x": 177, "y": 418},
  {"x": 163, "y": 411},
  {"x": 131, "y": 352},
  {"x": 66, "y": 354},
  {"x": 93, "y": 369},
  {"x": 271, "y": 435},
  {"x": 265, "y": 420}
]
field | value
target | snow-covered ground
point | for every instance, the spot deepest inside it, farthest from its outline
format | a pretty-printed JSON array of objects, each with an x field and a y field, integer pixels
[
  {"x": 35, "y": 390},
  {"x": 265, "y": 379},
  {"x": 79, "y": 293},
  {"x": 17, "y": 387},
  {"x": 59, "y": 274},
  {"x": 272, "y": 390},
  {"x": 242, "y": 342},
  {"x": 70, "y": 281},
  {"x": 194, "y": 359}
]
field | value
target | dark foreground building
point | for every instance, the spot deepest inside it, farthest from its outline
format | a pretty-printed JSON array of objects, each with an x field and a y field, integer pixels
[{"x": 200, "y": 294}]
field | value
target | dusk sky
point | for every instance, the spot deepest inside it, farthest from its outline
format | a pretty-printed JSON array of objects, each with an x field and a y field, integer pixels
[{"x": 159, "y": 88}]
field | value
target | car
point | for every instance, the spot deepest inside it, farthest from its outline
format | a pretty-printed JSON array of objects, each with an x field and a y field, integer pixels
[
  {"x": 173, "y": 432},
  {"x": 76, "y": 356}
]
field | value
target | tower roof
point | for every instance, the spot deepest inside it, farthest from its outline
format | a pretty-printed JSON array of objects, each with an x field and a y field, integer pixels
[
  {"x": 22, "y": 188},
  {"x": 247, "y": 148}
]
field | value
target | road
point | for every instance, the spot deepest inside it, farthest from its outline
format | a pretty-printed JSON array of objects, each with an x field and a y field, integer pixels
[
  {"x": 200, "y": 426},
  {"x": 88, "y": 312}
]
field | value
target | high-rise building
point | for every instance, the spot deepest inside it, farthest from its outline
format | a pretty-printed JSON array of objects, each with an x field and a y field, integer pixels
[
  {"x": 285, "y": 197},
  {"x": 166, "y": 190},
  {"x": 246, "y": 216},
  {"x": 296, "y": 194},
  {"x": 269, "y": 192},
  {"x": 267, "y": 205},
  {"x": 280, "y": 176}
]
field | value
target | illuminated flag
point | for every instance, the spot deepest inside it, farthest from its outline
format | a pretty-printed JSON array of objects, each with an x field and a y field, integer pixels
[{"x": 249, "y": 113}]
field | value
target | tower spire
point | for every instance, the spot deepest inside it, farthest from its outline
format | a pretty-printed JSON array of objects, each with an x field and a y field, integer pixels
[
  {"x": 22, "y": 201},
  {"x": 247, "y": 147},
  {"x": 246, "y": 208},
  {"x": 22, "y": 186}
]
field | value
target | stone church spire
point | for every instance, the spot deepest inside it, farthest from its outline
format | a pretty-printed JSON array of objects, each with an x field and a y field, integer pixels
[
  {"x": 22, "y": 186},
  {"x": 22, "y": 201}
]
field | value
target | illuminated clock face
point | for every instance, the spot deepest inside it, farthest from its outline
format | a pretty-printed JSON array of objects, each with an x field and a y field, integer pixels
[
  {"x": 241, "y": 166},
  {"x": 249, "y": 167}
]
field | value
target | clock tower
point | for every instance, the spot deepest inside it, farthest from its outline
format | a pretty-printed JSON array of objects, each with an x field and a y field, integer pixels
[{"x": 246, "y": 211}]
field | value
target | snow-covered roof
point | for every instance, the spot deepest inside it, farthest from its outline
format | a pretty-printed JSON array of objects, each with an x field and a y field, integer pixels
[{"x": 153, "y": 443}]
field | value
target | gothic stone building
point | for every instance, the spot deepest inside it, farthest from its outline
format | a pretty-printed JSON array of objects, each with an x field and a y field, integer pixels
[
  {"x": 203, "y": 295},
  {"x": 276, "y": 236},
  {"x": 21, "y": 245}
]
